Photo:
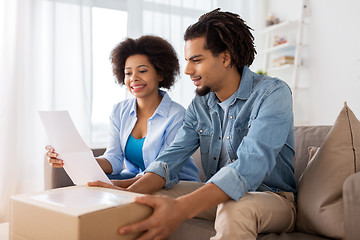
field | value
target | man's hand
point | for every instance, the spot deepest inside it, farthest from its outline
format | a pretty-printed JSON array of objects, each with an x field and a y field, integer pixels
[{"x": 168, "y": 214}]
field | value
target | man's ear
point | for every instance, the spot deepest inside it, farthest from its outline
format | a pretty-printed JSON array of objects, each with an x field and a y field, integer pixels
[{"x": 226, "y": 58}]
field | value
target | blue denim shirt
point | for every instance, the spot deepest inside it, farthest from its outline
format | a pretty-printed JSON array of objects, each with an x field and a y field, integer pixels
[
  {"x": 260, "y": 139},
  {"x": 161, "y": 130}
]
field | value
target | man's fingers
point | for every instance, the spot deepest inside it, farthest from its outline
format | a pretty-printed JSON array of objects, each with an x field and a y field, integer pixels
[
  {"x": 151, "y": 235},
  {"x": 142, "y": 225},
  {"x": 136, "y": 227},
  {"x": 149, "y": 200}
]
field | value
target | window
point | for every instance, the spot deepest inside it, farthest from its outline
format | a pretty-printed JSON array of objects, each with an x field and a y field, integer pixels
[
  {"x": 112, "y": 21},
  {"x": 109, "y": 27}
]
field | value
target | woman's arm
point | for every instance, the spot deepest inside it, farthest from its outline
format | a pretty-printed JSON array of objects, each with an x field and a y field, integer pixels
[
  {"x": 104, "y": 164},
  {"x": 146, "y": 184}
]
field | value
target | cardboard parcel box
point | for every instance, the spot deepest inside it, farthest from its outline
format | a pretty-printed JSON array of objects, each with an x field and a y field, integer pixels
[{"x": 74, "y": 213}]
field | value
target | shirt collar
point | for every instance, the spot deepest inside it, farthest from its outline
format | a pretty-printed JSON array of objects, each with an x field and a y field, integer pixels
[
  {"x": 165, "y": 104},
  {"x": 162, "y": 109},
  {"x": 246, "y": 84},
  {"x": 244, "y": 90}
]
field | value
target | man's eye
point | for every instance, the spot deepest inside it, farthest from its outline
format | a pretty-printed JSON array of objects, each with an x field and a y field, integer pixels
[
  {"x": 143, "y": 71},
  {"x": 127, "y": 74}
]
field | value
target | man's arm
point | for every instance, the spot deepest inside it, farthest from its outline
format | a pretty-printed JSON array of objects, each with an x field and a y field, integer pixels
[{"x": 170, "y": 213}]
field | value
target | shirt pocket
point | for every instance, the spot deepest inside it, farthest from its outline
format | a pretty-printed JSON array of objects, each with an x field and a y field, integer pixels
[
  {"x": 242, "y": 129},
  {"x": 205, "y": 134}
]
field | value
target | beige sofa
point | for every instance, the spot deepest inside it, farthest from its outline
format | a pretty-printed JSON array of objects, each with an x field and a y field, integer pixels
[{"x": 305, "y": 137}]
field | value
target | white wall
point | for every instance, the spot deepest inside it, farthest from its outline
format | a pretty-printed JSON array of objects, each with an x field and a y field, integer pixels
[{"x": 333, "y": 57}]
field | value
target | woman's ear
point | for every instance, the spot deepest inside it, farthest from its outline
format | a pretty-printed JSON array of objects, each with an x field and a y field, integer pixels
[{"x": 160, "y": 78}]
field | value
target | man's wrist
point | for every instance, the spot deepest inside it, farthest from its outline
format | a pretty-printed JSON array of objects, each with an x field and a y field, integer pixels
[{"x": 185, "y": 207}]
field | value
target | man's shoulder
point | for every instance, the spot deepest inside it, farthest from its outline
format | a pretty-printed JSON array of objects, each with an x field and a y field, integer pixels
[{"x": 267, "y": 84}]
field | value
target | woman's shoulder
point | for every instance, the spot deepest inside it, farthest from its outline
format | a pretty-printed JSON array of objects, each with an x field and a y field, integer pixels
[
  {"x": 177, "y": 107},
  {"x": 124, "y": 106},
  {"x": 173, "y": 107}
]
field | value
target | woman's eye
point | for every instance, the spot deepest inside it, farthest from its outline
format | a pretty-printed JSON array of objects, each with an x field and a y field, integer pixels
[
  {"x": 127, "y": 74},
  {"x": 143, "y": 71}
]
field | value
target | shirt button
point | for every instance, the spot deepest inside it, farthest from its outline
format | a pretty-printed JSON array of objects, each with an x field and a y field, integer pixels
[
  {"x": 214, "y": 158},
  {"x": 219, "y": 138},
  {"x": 201, "y": 131},
  {"x": 231, "y": 117},
  {"x": 232, "y": 160},
  {"x": 228, "y": 137}
]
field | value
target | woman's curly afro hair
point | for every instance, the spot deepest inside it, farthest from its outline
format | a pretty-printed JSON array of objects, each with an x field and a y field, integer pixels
[{"x": 160, "y": 53}]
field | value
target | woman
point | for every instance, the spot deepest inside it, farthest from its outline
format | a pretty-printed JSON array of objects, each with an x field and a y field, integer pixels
[{"x": 143, "y": 126}]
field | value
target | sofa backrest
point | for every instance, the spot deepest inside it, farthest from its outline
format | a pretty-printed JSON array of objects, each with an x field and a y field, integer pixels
[{"x": 305, "y": 137}]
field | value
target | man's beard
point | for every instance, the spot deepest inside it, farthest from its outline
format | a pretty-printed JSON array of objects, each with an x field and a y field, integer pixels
[{"x": 202, "y": 91}]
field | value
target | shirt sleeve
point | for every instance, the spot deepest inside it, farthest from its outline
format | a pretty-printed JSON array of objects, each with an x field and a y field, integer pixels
[
  {"x": 114, "y": 154},
  {"x": 172, "y": 129},
  {"x": 268, "y": 130},
  {"x": 170, "y": 161}
]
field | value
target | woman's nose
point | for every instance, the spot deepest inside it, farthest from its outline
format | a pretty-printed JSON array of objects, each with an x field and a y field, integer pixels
[{"x": 133, "y": 77}]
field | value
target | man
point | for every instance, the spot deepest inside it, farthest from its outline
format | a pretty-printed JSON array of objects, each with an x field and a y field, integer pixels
[{"x": 243, "y": 123}]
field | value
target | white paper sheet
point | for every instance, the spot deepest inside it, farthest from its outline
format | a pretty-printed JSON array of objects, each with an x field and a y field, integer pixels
[{"x": 79, "y": 161}]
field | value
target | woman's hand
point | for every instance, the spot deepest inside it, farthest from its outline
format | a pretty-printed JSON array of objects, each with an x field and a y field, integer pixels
[
  {"x": 126, "y": 182},
  {"x": 53, "y": 160},
  {"x": 117, "y": 184},
  {"x": 104, "y": 185}
]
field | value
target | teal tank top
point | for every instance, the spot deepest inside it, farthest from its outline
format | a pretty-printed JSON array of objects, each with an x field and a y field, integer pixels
[{"x": 134, "y": 153}]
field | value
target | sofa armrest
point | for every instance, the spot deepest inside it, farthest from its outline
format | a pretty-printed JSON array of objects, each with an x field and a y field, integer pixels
[
  {"x": 57, "y": 177},
  {"x": 351, "y": 195}
]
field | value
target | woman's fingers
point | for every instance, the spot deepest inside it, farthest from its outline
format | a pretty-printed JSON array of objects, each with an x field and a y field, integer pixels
[
  {"x": 53, "y": 160},
  {"x": 52, "y": 154},
  {"x": 56, "y": 163},
  {"x": 49, "y": 148},
  {"x": 104, "y": 185}
]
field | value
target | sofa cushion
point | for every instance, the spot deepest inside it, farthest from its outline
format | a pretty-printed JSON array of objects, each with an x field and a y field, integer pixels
[
  {"x": 307, "y": 136},
  {"x": 320, "y": 202},
  {"x": 312, "y": 151}
]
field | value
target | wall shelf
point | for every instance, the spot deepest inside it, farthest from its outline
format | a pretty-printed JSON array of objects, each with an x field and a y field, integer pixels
[
  {"x": 282, "y": 46},
  {"x": 282, "y": 26}
]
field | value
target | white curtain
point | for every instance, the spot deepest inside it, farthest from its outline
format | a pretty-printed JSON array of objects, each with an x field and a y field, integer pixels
[{"x": 45, "y": 64}]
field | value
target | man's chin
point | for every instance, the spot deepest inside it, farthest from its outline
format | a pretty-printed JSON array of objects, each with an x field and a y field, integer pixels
[{"x": 202, "y": 91}]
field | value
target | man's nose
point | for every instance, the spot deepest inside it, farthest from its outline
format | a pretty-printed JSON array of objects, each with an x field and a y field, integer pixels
[{"x": 188, "y": 69}]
